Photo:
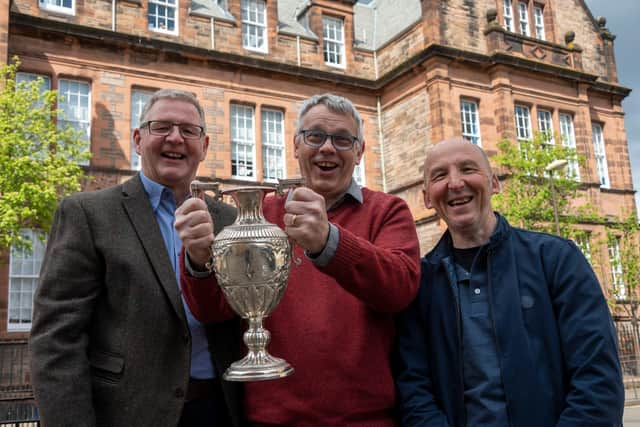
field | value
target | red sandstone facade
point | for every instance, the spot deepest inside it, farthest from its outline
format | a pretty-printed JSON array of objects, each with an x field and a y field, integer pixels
[{"x": 408, "y": 66}]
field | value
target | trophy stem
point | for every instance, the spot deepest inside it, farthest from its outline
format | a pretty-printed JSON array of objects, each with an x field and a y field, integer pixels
[{"x": 258, "y": 364}]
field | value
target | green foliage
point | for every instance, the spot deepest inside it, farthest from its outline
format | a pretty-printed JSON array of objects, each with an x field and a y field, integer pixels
[
  {"x": 626, "y": 232},
  {"x": 38, "y": 161},
  {"x": 528, "y": 193}
]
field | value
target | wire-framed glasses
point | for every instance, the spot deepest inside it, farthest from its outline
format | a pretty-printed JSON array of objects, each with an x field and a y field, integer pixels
[{"x": 164, "y": 128}]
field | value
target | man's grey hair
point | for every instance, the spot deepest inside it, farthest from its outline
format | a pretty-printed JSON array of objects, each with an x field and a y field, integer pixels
[
  {"x": 335, "y": 104},
  {"x": 176, "y": 94}
]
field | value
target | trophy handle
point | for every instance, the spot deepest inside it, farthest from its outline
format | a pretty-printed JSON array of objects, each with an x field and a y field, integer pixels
[
  {"x": 198, "y": 189},
  {"x": 284, "y": 184}
]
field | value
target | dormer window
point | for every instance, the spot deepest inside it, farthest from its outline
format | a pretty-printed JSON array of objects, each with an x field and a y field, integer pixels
[
  {"x": 333, "y": 41},
  {"x": 538, "y": 17},
  {"x": 254, "y": 25},
  {"x": 163, "y": 16},
  {"x": 524, "y": 19},
  {"x": 507, "y": 13}
]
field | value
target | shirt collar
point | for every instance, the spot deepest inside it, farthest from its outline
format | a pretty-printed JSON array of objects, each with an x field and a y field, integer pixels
[
  {"x": 157, "y": 192},
  {"x": 354, "y": 191}
]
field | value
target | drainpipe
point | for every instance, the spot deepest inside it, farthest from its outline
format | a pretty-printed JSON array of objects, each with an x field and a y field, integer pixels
[
  {"x": 213, "y": 33},
  {"x": 381, "y": 142},
  {"x": 113, "y": 15}
]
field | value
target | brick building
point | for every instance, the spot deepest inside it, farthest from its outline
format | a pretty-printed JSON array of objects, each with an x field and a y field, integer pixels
[{"x": 419, "y": 71}]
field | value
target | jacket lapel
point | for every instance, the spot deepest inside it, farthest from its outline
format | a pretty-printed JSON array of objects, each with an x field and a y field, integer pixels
[{"x": 136, "y": 204}]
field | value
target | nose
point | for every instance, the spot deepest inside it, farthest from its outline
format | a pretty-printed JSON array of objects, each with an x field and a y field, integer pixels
[
  {"x": 327, "y": 146},
  {"x": 174, "y": 135},
  {"x": 455, "y": 181}
]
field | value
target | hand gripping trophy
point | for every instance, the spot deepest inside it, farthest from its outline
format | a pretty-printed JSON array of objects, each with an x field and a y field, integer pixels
[{"x": 251, "y": 259}]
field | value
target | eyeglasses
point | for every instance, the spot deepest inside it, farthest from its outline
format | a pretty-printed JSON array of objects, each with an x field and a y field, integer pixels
[
  {"x": 316, "y": 138},
  {"x": 162, "y": 128}
]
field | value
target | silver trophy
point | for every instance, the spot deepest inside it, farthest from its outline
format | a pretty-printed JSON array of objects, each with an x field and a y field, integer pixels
[{"x": 251, "y": 259}]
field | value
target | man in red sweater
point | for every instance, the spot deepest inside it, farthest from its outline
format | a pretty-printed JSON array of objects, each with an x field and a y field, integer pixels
[{"x": 360, "y": 265}]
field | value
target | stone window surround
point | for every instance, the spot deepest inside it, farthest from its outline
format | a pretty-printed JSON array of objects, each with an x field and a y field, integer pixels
[{"x": 530, "y": 19}]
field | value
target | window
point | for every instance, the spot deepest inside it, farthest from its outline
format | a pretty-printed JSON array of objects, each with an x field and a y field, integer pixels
[
  {"x": 242, "y": 141},
  {"x": 74, "y": 99},
  {"x": 507, "y": 12},
  {"x": 138, "y": 100},
  {"x": 358, "y": 173},
  {"x": 569, "y": 141},
  {"x": 545, "y": 126},
  {"x": 523, "y": 123},
  {"x": 24, "y": 269},
  {"x": 617, "y": 279},
  {"x": 538, "y": 16},
  {"x": 273, "y": 162},
  {"x": 601, "y": 156},
  {"x": 163, "y": 16},
  {"x": 254, "y": 25},
  {"x": 582, "y": 241},
  {"x": 470, "y": 121},
  {"x": 67, "y": 7},
  {"x": 333, "y": 41},
  {"x": 29, "y": 77},
  {"x": 524, "y": 18}
]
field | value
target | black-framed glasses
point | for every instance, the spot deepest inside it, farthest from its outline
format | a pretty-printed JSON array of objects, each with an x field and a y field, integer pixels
[
  {"x": 316, "y": 138},
  {"x": 164, "y": 128}
]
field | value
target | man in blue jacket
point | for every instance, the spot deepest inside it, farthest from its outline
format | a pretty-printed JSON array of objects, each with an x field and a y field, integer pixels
[{"x": 510, "y": 327}]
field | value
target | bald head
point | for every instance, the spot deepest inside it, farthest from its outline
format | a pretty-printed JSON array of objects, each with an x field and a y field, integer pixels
[{"x": 452, "y": 145}]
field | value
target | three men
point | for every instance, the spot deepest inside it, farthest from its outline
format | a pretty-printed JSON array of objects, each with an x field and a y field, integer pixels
[
  {"x": 360, "y": 266},
  {"x": 112, "y": 343},
  {"x": 510, "y": 327}
]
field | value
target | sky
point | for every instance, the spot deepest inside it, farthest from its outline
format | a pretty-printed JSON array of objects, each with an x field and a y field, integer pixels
[{"x": 622, "y": 20}]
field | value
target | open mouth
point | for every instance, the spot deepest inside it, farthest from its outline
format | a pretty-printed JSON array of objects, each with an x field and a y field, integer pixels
[
  {"x": 460, "y": 202},
  {"x": 326, "y": 166},
  {"x": 173, "y": 156}
]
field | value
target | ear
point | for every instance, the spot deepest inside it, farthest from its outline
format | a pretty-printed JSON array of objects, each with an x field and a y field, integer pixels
[
  {"x": 426, "y": 198},
  {"x": 205, "y": 146},
  {"x": 359, "y": 152},
  {"x": 137, "y": 141},
  {"x": 296, "y": 145},
  {"x": 495, "y": 184}
]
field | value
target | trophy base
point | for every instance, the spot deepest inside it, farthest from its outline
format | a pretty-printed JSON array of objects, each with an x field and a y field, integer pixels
[{"x": 262, "y": 368}]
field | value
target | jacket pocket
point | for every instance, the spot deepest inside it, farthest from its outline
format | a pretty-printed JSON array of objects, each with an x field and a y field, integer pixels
[{"x": 106, "y": 366}]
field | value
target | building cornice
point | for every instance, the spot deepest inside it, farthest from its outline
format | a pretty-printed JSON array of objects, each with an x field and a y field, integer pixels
[{"x": 253, "y": 63}]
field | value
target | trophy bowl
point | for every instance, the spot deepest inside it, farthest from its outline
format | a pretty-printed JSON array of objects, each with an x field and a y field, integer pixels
[{"x": 251, "y": 259}]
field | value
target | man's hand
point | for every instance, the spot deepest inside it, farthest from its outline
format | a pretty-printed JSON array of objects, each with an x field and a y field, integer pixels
[
  {"x": 306, "y": 220},
  {"x": 195, "y": 228}
]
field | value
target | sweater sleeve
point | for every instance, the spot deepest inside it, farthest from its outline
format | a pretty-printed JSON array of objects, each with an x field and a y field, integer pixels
[
  {"x": 382, "y": 271},
  {"x": 203, "y": 296}
]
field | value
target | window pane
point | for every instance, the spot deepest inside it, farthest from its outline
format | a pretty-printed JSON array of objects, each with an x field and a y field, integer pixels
[
  {"x": 569, "y": 140},
  {"x": 74, "y": 98},
  {"x": 333, "y": 41},
  {"x": 273, "y": 156},
  {"x": 242, "y": 141},
  {"x": 600, "y": 154},
  {"x": 470, "y": 121},
  {"x": 138, "y": 100}
]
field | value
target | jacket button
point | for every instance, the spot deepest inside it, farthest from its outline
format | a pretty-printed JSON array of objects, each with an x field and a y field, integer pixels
[{"x": 179, "y": 393}]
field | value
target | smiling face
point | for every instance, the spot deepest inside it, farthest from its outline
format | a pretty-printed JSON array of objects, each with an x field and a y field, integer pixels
[
  {"x": 171, "y": 160},
  {"x": 327, "y": 171},
  {"x": 459, "y": 184}
]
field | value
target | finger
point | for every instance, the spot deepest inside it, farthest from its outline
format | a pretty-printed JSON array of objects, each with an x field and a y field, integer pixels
[
  {"x": 190, "y": 205},
  {"x": 305, "y": 194}
]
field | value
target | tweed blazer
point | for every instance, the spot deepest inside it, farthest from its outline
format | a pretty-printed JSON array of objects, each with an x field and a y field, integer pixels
[{"x": 110, "y": 345}]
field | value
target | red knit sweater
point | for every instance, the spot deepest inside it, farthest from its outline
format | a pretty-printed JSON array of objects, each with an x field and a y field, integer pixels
[{"x": 334, "y": 324}]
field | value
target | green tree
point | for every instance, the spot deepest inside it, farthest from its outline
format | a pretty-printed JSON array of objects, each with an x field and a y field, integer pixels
[
  {"x": 39, "y": 163},
  {"x": 529, "y": 191}
]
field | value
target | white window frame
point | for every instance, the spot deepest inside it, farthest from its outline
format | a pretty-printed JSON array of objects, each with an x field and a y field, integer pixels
[
  {"x": 523, "y": 123},
  {"x": 139, "y": 99},
  {"x": 163, "y": 6},
  {"x": 75, "y": 103},
  {"x": 58, "y": 6},
  {"x": 333, "y": 41},
  {"x": 583, "y": 242},
  {"x": 273, "y": 147},
  {"x": 507, "y": 14},
  {"x": 615, "y": 261},
  {"x": 545, "y": 125},
  {"x": 254, "y": 25},
  {"x": 243, "y": 142},
  {"x": 470, "y": 120},
  {"x": 568, "y": 135},
  {"x": 538, "y": 17},
  {"x": 600, "y": 154},
  {"x": 523, "y": 13},
  {"x": 24, "y": 272}
]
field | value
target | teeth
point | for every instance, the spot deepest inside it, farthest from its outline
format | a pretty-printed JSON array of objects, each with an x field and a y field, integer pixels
[
  {"x": 326, "y": 164},
  {"x": 459, "y": 201},
  {"x": 173, "y": 155}
]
